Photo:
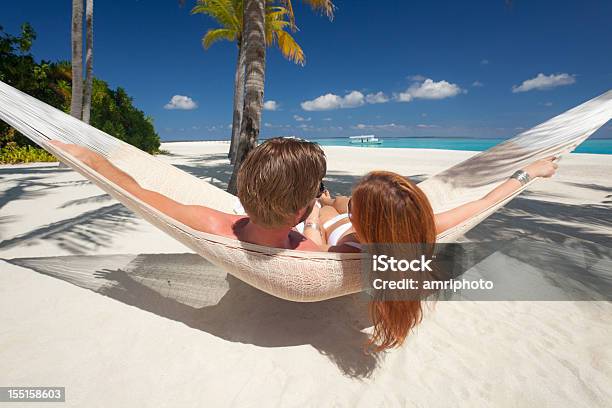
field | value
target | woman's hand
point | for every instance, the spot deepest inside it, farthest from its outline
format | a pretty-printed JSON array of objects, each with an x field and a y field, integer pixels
[
  {"x": 542, "y": 168},
  {"x": 326, "y": 198}
]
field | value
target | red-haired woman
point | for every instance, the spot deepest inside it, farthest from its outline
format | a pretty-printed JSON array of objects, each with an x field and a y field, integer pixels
[{"x": 387, "y": 208}]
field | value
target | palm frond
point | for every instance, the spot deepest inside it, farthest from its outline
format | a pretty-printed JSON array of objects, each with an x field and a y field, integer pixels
[
  {"x": 327, "y": 7},
  {"x": 218, "y": 34},
  {"x": 275, "y": 21},
  {"x": 276, "y": 14},
  {"x": 289, "y": 48},
  {"x": 222, "y": 11},
  {"x": 276, "y": 26},
  {"x": 287, "y": 5},
  {"x": 239, "y": 12}
]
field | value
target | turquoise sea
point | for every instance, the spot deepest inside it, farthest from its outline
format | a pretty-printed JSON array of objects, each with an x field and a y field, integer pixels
[{"x": 599, "y": 146}]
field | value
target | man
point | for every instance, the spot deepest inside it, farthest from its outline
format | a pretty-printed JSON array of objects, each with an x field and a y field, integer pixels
[{"x": 278, "y": 185}]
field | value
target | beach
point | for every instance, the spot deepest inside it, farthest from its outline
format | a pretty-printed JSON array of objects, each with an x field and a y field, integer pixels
[{"x": 96, "y": 300}]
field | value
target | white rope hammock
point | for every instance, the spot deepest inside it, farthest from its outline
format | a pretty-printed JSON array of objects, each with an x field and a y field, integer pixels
[{"x": 289, "y": 274}]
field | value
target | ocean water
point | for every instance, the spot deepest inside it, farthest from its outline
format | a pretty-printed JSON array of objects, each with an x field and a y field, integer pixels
[{"x": 599, "y": 146}]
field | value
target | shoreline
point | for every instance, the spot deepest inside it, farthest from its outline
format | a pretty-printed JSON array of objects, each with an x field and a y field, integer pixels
[
  {"x": 389, "y": 150},
  {"x": 375, "y": 148},
  {"x": 386, "y": 137}
]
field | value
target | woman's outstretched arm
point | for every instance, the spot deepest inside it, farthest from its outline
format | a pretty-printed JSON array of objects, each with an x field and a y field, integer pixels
[
  {"x": 195, "y": 216},
  {"x": 448, "y": 219}
]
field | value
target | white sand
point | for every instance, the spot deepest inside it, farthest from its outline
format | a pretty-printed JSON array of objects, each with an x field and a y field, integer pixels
[{"x": 140, "y": 336}]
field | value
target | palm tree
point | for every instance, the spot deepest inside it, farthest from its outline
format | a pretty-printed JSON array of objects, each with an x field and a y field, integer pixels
[
  {"x": 88, "y": 60},
  {"x": 76, "y": 103},
  {"x": 80, "y": 103},
  {"x": 255, "y": 64},
  {"x": 229, "y": 14},
  {"x": 255, "y": 67}
]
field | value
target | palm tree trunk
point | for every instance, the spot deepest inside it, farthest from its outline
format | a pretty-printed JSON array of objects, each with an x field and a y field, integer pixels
[
  {"x": 238, "y": 103},
  {"x": 88, "y": 60},
  {"x": 255, "y": 67},
  {"x": 76, "y": 103}
]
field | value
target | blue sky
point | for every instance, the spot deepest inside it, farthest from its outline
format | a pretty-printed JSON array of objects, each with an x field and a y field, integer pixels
[{"x": 436, "y": 68}]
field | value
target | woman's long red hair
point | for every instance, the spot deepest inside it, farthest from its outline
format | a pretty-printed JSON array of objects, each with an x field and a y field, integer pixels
[{"x": 390, "y": 209}]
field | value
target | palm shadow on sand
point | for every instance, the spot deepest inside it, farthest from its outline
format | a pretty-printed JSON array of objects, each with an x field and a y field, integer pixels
[{"x": 188, "y": 289}]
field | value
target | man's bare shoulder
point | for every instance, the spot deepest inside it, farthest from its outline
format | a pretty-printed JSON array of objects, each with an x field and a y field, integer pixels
[
  {"x": 212, "y": 221},
  {"x": 302, "y": 243}
]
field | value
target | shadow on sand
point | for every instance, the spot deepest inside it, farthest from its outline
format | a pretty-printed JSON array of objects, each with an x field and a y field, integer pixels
[
  {"x": 188, "y": 289},
  {"x": 547, "y": 221},
  {"x": 216, "y": 169},
  {"x": 81, "y": 233}
]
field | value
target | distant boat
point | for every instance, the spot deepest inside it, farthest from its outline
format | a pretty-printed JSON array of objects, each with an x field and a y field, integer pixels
[{"x": 365, "y": 140}]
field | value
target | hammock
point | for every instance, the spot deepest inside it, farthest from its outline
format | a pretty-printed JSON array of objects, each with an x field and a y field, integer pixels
[{"x": 290, "y": 274}]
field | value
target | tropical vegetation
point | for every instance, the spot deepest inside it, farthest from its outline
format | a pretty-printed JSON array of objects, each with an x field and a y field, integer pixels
[
  {"x": 253, "y": 25},
  {"x": 255, "y": 66},
  {"x": 229, "y": 14},
  {"x": 112, "y": 110}
]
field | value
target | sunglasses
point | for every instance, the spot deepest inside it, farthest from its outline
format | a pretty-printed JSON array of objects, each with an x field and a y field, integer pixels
[
  {"x": 348, "y": 209},
  {"x": 321, "y": 190}
]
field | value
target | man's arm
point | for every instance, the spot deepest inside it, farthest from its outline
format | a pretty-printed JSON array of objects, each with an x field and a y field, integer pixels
[{"x": 195, "y": 216}]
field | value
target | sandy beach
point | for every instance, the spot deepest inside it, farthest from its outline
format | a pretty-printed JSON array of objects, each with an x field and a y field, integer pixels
[{"x": 94, "y": 299}]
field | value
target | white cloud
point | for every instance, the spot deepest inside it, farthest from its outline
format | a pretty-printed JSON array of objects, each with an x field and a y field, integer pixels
[
  {"x": 403, "y": 97},
  {"x": 484, "y": 62},
  {"x": 299, "y": 118},
  {"x": 331, "y": 101},
  {"x": 547, "y": 103},
  {"x": 386, "y": 126},
  {"x": 542, "y": 81},
  {"x": 352, "y": 100},
  {"x": 181, "y": 102},
  {"x": 477, "y": 84},
  {"x": 424, "y": 126},
  {"x": 305, "y": 127},
  {"x": 378, "y": 97},
  {"x": 429, "y": 89},
  {"x": 327, "y": 119},
  {"x": 271, "y": 105},
  {"x": 417, "y": 78}
]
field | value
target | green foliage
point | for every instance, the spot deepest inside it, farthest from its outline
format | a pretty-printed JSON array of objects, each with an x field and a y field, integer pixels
[
  {"x": 112, "y": 110},
  {"x": 11, "y": 153},
  {"x": 113, "y": 113},
  {"x": 229, "y": 15}
]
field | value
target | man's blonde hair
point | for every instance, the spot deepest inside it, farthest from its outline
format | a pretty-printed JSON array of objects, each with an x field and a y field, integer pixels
[{"x": 278, "y": 178}]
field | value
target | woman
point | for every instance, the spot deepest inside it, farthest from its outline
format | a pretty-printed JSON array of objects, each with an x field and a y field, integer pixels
[{"x": 388, "y": 208}]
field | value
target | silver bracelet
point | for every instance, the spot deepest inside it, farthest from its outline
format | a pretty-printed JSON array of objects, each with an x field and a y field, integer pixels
[
  {"x": 522, "y": 176},
  {"x": 312, "y": 225}
]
